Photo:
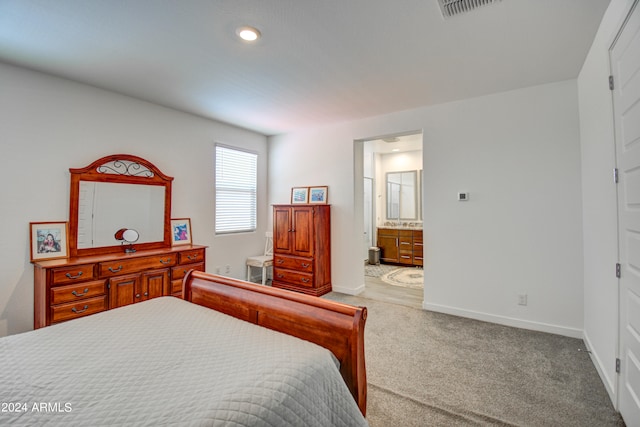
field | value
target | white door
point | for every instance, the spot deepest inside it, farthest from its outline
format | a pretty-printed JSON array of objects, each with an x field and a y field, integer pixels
[{"x": 625, "y": 66}]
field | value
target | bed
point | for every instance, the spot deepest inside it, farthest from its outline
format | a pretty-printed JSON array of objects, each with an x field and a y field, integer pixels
[{"x": 198, "y": 361}]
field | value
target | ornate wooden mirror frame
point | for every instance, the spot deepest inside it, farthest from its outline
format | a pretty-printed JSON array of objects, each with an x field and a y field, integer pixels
[{"x": 124, "y": 169}]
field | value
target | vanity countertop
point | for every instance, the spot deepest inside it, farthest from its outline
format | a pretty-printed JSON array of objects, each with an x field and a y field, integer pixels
[{"x": 401, "y": 227}]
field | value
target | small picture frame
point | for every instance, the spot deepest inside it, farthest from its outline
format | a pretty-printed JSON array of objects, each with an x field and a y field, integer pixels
[
  {"x": 180, "y": 231},
  {"x": 49, "y": 240},
  {"x": 318, "y": 195},
  {"x": 299, "y": 195}
]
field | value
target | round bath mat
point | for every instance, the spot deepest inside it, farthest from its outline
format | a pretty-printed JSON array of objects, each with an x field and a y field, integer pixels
[{"x": 407, "y": 277}]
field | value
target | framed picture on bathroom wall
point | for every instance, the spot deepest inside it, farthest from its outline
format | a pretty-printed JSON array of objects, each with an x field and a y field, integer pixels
[{"x": 318, "y": 195}]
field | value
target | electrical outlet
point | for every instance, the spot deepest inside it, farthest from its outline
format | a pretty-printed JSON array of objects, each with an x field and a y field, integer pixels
[{"x": 522, "y": 299}]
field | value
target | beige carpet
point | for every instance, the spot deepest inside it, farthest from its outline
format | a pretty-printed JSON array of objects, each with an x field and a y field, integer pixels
[{"x": 431, "y": 369}]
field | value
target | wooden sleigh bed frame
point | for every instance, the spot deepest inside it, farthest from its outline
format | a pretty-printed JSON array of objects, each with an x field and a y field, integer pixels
[{"x": 335, "y": 326}]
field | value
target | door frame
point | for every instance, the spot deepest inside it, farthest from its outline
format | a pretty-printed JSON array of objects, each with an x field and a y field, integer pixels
[{"x": 620, "y": 345}]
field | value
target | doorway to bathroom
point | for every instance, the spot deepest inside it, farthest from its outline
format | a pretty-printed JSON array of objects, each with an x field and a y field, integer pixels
[{"x": 393, "y": 225}]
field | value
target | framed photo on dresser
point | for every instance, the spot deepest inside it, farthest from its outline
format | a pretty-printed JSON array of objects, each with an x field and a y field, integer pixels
[
  {"x": 49, "y": 240},
  {"x": 180, "y": 231}
]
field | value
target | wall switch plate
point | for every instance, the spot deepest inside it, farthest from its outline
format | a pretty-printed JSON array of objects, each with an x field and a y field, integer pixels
[
  {"x": 522, "y": 299},
  {"x": 463, "y": 197}
]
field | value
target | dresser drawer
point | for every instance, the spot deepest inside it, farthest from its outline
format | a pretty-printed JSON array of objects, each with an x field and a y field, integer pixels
[
  {"x": 77, "y": 273},
  {"x": 180, "y": 271},
  {"x": 293, "y": 263},
  {"x": 189, "y": 257},
  {"x": 293, "y": 277},
  {"x": 75, "y": 292},
  {"x": 134, "y": 265},
  {"x": 62, "y": 312}
]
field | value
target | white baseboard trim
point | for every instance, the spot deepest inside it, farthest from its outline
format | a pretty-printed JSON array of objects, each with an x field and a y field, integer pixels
[
  {"x": 348, "y": 291},
  {"x": 609, "y": 383},
  {"x": 504, "y": 320}
]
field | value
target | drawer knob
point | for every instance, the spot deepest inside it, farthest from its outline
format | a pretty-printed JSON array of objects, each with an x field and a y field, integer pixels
[
  {"x": 165, "y": 262},
  {"x": 137, "y": 295},
  {"x": 80, "y": 311},
  {"x": 305, "y": 280},
  {"x": 115, "y": 270},
  {"x": 280, "y": 261},
  {"x": 74, "y": 277},
  {"x": 305, "y": 265},
  {"x": 86, "y": 290},
  {"x": 280, "y": 276},
  {"x": 146, "y": 294},
  {"x": 192, "y": 257}
]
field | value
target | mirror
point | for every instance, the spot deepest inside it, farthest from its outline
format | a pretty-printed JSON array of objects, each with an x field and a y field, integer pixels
[
  {"x": 402, "y": 195},
  {"x": 127, "y": 235},
  {"x": 117, "y": 193},
  {"x": 106, "y": 206}
]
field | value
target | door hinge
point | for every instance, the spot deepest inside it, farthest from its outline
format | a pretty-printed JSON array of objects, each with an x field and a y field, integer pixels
[
  {"x": 618, "y": 267},
  {"x": 617, "y": 365},
  {"x": 615, "y": 175},
  {"x": 610, "y": 82}
]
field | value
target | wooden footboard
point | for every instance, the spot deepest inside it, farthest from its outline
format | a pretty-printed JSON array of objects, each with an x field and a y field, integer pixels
[{"x": 337, "y": 327}]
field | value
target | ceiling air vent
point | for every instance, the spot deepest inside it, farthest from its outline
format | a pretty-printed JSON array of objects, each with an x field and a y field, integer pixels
[{"x": 456, "y": 7}]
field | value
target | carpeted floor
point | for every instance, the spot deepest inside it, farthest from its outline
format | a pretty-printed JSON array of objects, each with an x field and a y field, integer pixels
[{"x": 432, "y": 369}]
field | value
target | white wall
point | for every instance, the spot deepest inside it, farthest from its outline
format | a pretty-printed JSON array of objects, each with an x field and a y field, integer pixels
[
  {"x": 599, "y": 198},
  {"x": 48, "y": 125},
  {"x": 516, "y": 153}
]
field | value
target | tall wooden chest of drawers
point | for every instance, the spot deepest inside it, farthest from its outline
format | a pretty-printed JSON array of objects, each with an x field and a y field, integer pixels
[{"x": 302, "y": 248}]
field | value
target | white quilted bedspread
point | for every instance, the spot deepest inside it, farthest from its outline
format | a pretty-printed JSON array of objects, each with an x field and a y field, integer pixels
[{"x": 169, "y": 362}]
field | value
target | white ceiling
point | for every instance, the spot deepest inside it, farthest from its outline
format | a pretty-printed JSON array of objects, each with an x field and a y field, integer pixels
[{"x": 318, "y": 61}]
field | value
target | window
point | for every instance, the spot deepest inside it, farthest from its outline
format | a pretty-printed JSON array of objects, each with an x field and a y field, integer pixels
[{"x": 236, "y": 190}]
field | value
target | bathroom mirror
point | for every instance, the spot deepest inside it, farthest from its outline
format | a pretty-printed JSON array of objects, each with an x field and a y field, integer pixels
[
  {"x": 116, "y": 192},
  {"x": 402, "y": 195}
]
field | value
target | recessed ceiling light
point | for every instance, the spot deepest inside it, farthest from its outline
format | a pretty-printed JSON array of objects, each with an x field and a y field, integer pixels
[
  {"x": 395, "y": 150},
  {"x": 248, "y": 34}
]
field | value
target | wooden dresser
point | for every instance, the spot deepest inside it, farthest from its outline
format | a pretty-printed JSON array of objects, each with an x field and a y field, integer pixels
[
  {"x": 302, "y": 248},
  {"x": 65, "y": 289},
  {"x": 401, "y": 246}
]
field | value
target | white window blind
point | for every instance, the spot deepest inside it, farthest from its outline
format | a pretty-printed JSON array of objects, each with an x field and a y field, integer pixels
[{"x": 236, "y": 190}]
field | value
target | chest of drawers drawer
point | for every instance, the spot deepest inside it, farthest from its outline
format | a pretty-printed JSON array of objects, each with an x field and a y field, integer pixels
[
  {"x": 77, "y": 273},
  {"x": 76, "y": 292},
  {"x": 190, "y": 257},
  {"x": 126, "y": 266},
  {"x": 293, "y": 263},
  {"x": 178, "y": 272},
  {"x": 72, "y": 310},
  {"x": 294, "y": 277}
]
